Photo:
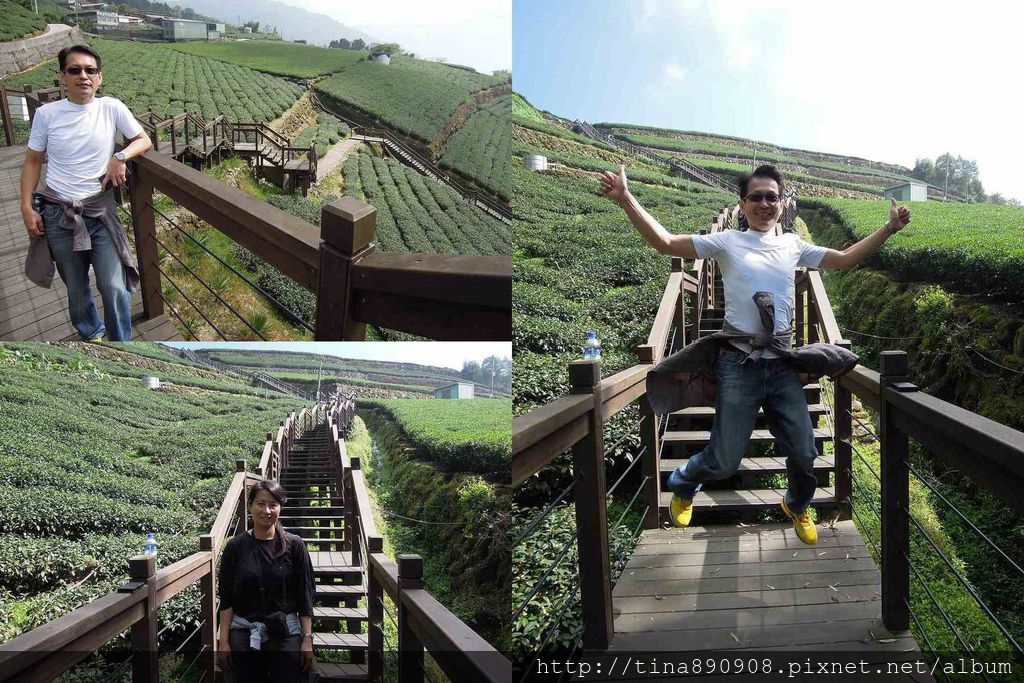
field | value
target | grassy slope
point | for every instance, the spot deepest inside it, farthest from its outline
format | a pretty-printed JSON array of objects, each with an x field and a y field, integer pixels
[{"x": 18, "y": 22}]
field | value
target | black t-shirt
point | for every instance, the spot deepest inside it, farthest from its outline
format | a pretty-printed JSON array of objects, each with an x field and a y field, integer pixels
[{"x": 254, "y": 583}]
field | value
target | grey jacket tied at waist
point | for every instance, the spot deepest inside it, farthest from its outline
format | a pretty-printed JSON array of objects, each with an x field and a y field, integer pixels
[
  {"x": 39, "y": 267},
  {"x": 258, "y": 630},
  {"x": 687, "y": 377}
]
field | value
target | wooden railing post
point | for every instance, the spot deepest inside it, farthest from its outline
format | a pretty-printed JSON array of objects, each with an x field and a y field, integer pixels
[
  {"x": 410, "y": 649},
  {"x": 347, "y": 229},
  {"x": 5, "y": 113},
  {"x": 242, "y": 511},
  {"x": 651, "y": 465},
  {"x": 352, "y": 514},
  {"x": 145, "y": 663},
  {"x": 374, "y": 613},
  {"x": 801, "y": 301},
  {"x": 842, "y": 408},
  {"x": 144, "y": 227},
  {"x": 812, "y": 318},
  {"x": 208, "y": 605},
  {"x": 895, "y": 497},
  {"x": 592, "y": 512},
  {"x": 679, "y": 317}
]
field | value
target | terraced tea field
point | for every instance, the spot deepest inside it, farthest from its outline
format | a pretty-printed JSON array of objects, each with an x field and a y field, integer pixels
[
  {"x": 17, "y": 22},
  {"x": 973, "y": 247},
  {"x": 154, "y": 75},
  {"x": 415, "y": 213},
  {"x": 411, "y": 95},
  {"x": 480, "y": 149},
  {"x": 276, "y": 57},
  {"x": 811, "y": 173},
  {"x": 90, "y": 460},
  {"x": 578, "y": 264},
  {"x": 458, "y": 435}
]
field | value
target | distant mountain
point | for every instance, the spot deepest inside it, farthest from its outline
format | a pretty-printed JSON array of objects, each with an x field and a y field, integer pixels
[{"x": 292, "y": 23}]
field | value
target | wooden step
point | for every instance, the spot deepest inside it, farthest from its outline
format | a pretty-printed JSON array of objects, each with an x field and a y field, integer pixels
[
  {"x": 336, "y": 614},
  {"x": 701, "y": 437},
  {"x": 340, "y": 673},
  {"x": 333, "y": 510},
  {"x": 321, "y": 591},
  {"x": 708, "y": 412},
  {"x": 340, "y": 641},
  {"x": 747, "y": 499},
  {"x": 761, "y": 465}
]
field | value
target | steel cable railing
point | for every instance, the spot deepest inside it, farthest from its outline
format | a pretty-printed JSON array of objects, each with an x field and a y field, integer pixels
[{"x": 291, "y": 315}]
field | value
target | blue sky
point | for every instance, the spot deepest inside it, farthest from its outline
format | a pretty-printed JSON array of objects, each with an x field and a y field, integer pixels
[
  {"x": 440, "y": 354},
  {"x": 879, "y": 80}
]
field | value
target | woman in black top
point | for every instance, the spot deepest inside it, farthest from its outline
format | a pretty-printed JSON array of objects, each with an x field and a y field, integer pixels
[{"x": 266, "y": 597}]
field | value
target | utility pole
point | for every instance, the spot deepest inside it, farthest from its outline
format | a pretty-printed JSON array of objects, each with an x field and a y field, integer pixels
[{"x": 319, "y": 373}]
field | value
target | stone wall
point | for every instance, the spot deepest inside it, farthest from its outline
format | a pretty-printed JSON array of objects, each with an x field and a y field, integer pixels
[{"x": 19, "y": 55}]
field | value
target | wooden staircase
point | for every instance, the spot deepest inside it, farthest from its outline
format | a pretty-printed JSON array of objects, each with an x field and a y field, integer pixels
[
  {"x": 688, "y": 431},
  {"x": 315, "y": 512}
]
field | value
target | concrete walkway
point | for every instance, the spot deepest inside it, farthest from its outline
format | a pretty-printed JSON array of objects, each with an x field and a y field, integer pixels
[{"x": 335, "y": 157}]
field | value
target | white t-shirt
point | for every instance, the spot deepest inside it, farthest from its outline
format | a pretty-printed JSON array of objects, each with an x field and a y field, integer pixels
[
  {"x": 752, "y": 261},
  {"x": 79, "y": 141}
]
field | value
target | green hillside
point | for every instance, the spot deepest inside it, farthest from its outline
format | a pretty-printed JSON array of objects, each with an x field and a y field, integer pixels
[{"x": 276, "y": 57}]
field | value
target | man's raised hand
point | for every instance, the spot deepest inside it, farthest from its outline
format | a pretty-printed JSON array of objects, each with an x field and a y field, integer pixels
[
  {"x": 614, "y": 185},
  {"x": 899, "y": 216}
]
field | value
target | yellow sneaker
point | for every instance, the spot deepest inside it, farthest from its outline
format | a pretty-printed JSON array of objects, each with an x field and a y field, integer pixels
[
  {"x": 805, "y": 528},
  {"x": 95, "y": 340},
  {"x": 681, "y": 510}
]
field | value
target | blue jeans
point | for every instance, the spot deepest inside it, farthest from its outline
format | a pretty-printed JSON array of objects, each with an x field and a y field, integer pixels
[
  {"x": 742, "y": 387},
  {"x": 73, "y": 267}
]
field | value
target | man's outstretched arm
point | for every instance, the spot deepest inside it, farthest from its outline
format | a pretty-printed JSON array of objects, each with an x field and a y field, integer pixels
[
  {"x": 615, "y": 187},
  {"x": 854, "y": 254}
]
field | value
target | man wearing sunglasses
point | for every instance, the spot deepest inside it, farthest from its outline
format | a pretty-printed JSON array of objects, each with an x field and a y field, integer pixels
[
  {"x": 757, "y": 267},
  {"x": 72, "y": 221}
]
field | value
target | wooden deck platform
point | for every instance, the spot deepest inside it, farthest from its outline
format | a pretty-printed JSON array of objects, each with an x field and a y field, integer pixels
[
  {"x": 27, "y": 311},
  {"x": 736, "y": 589}
]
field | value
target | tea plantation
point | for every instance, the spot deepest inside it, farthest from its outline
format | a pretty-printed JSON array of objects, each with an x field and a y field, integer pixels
[
  {"x": 578, "y": 264},
  {"x": 458, "y": 435},
  {"x": 276, "y": 57},
  {"x": 811, "y": 173},
  {"x": 411, "y": 95},
  {"x": 90, "y": 461},
  {"x": 976, "y": 248},
  {"x": 17, "y": 22},
  {"x": 480, "y": 149},
  {"x": 170, "y": 81}
]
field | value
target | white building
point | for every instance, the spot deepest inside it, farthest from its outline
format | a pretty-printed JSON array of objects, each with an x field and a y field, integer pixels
[
  {"x": 911, "y": 191},
  {"x": 456, "y": 390},
  {"x": 380, "y": 58}
]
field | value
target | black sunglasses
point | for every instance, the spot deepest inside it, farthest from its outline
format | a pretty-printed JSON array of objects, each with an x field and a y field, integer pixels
[
  {"x": 76, "y": 70},
  {"x": 757, "y": 197}
]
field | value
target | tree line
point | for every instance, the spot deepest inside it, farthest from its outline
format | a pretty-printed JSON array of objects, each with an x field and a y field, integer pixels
[
  {"x": 957, "y": 176},
  {"x": 492, "y": 371}
]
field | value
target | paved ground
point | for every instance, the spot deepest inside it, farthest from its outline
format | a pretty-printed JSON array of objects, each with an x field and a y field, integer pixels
[{"x": 335, "y": 157}]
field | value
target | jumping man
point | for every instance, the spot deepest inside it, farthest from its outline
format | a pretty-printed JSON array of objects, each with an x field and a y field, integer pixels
[{"x": 756, "y": 260}]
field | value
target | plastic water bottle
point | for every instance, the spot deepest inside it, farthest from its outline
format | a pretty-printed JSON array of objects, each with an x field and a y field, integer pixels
[
  {"x": 592, "y": 347},
  {"x": 149, "y": 548}
]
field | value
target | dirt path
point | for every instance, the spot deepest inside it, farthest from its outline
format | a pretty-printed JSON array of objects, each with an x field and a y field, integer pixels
[{"x": 335, "y": 157}]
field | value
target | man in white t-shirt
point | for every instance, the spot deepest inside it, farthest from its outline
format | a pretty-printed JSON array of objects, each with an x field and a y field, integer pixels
[
  {"x": 755, "y": 260},
  {"x": 77, "y": 216}
]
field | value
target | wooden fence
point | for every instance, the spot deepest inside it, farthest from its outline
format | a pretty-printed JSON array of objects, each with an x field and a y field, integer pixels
[
  {"x": 424, "y": 624},
  {"x": 990, "y": 453}
]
